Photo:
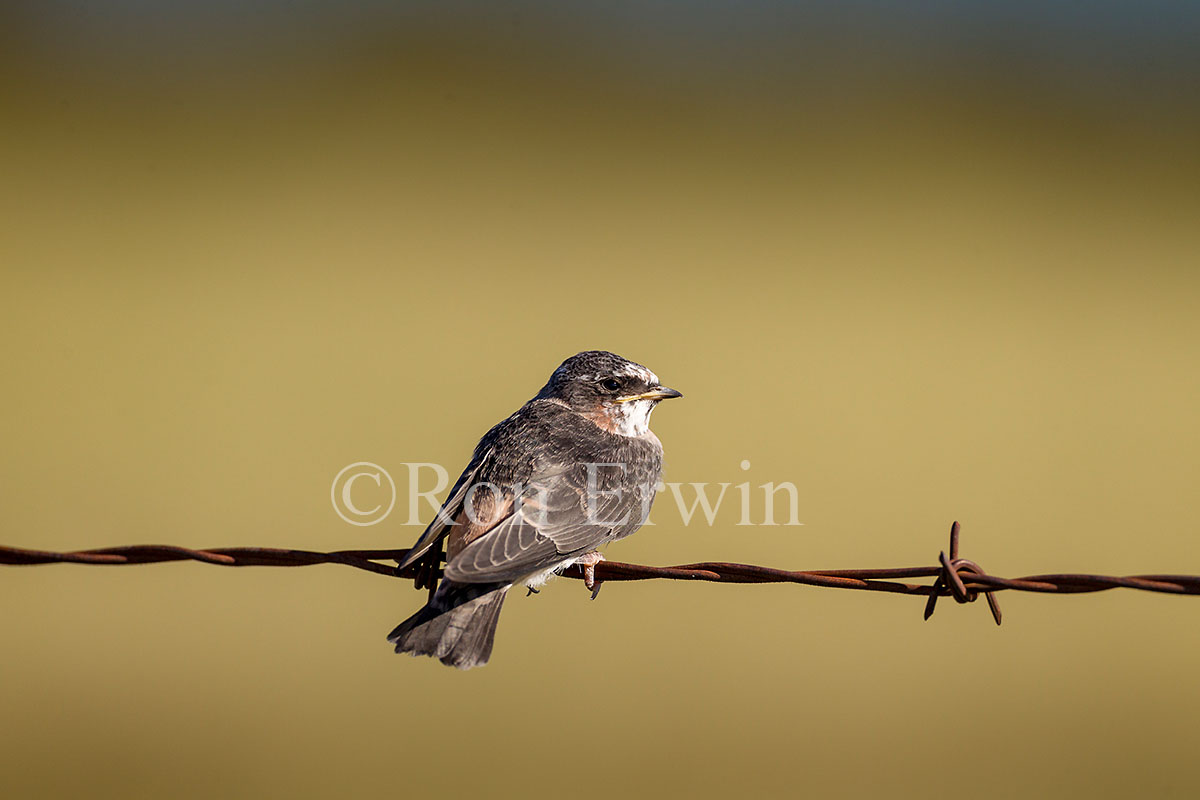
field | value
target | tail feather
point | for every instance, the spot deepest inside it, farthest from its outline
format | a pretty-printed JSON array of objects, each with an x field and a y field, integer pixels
[{"x": 457, "y": 627}]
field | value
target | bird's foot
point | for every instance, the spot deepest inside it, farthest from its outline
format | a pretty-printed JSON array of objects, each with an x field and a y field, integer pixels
[
  {"x": 532, "y": 591},
  {"x": 588, "y": 562}
]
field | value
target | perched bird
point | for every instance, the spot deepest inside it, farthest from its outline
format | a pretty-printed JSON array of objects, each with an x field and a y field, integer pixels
[{"x": 573, "y": 469}]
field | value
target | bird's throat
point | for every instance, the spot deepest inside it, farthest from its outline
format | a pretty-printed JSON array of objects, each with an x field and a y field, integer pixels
[{"x": 624, "y": 419}]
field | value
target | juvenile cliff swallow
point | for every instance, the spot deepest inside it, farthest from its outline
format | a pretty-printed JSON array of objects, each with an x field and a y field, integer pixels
[{"x": 573, "y": 469}]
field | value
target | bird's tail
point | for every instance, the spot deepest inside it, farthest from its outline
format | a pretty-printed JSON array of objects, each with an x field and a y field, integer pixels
[{"x": 457, "y": 626}]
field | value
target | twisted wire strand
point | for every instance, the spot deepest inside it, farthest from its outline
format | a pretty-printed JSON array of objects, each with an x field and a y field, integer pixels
[{"x": 955, "y": 577}]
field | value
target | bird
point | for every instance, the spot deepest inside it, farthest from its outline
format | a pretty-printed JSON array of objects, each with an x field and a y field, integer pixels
[{"x": 574, "y": 468}]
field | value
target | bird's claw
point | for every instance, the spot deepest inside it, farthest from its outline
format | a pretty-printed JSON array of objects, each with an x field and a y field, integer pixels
[{"x": 588, "y": 564}]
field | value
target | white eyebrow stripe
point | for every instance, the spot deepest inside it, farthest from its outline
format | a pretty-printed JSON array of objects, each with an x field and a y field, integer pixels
[{"x": 637, "y": 371}]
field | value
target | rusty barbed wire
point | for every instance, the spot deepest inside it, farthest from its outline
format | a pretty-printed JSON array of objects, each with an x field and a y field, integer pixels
[{"x": 959, "y": 578}]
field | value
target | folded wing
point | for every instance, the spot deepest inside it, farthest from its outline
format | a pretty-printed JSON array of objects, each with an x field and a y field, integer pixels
[{"x": 563, "y": 513}]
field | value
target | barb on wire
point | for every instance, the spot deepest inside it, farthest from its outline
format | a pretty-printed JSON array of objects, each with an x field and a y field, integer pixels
[{"x": 956, "y": 577}]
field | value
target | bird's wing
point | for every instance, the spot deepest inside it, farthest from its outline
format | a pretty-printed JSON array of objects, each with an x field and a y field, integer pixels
[
  {"x": 439, "y": 528},
  {"x": 562, "y": 513}
]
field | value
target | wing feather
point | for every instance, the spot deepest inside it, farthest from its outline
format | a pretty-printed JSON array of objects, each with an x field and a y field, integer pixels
[
  {"x": 440, "y": 527},
  {"x": 562, "y": 506},
  {"x": 563, "y": 513}
]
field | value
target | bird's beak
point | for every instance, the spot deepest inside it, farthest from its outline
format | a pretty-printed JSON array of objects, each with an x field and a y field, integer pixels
[{"x": 657, "y": 393}]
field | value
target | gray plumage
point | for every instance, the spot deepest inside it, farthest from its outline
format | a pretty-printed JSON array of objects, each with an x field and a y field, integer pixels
[
  {"x": 457, "y": 627},
  {"x": 553, "y": 482}
]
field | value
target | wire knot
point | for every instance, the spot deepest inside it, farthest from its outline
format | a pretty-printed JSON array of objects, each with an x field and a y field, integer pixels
[{"x": 950, "y": 580}]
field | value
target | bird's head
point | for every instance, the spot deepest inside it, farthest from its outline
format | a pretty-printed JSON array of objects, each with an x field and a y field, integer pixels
[{"x": 614, "y": 392}]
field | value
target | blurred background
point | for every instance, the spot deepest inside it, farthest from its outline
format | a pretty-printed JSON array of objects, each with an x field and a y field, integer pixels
[{"x": 929, "y": 262}]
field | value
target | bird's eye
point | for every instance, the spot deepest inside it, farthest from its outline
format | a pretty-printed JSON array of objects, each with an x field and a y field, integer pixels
[{"x": 612, "y": 384}]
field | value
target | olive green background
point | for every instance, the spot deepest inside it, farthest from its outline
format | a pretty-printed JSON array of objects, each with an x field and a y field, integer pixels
[{"x": 920, "y": 288}]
